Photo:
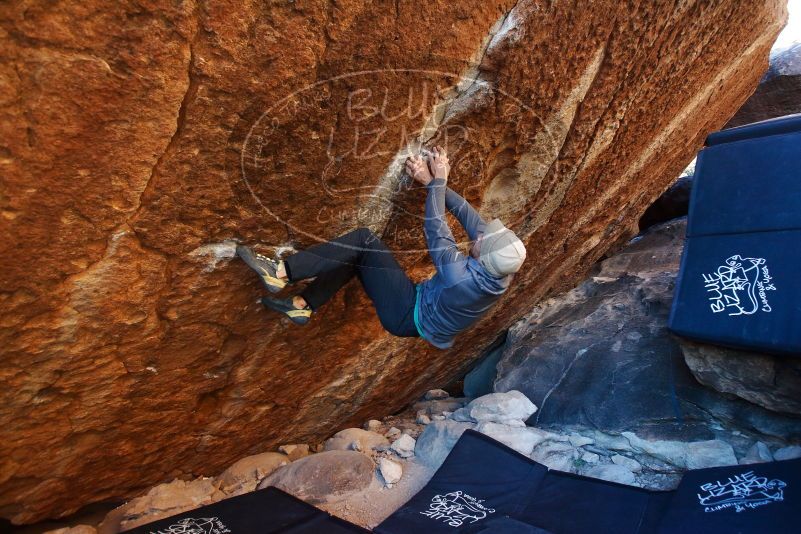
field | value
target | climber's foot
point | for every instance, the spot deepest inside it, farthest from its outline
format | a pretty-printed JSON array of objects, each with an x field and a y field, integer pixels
[
  {"x": 264, "y": 267},
  {"x": 287, "y": 307}
]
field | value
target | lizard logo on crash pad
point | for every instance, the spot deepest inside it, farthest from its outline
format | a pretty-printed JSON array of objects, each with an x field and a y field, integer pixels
[
  {"x": 456, "y": 508},
  {"x": 200, "y": 525},
  {"x": 741, "y": 492},
  {"x": 740, "y": 286}
]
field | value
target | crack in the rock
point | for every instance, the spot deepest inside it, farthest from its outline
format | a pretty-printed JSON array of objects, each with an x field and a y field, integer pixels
[{"x": 180, "y": 121}]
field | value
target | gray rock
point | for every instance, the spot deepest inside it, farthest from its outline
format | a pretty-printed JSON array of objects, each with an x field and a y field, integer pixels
[
  {"x": 521, "y": 439},
  {"x": 773, "y": 382},
  {"x": 712, "y": 453},
  {"x": 673, "y": 203},
  {"x": 559, "y": 455},
  {"x": 437, "y": 440},
  {"x": 436, "y": 407},
  {"x": 562, "y": 357},
  {"x": 580, "y": 441},
  {"x": 758, "y": 453},
  {"x": 777, "y": 93},
  {"x": 423, "y": 419},
  {"x": 788, "y": 453},
  {"x": 355, "y": 439},
  {"x": 629, "y": 463},
  {"x": 612, "y": 473},
  {"x": 404, "y": 446},
  {"x": 463, "y": 415},
  {"x": 436, "y": 394},
  {"x": 325, "y": 477},
  {"x": 672, "y": 452},
  {"x": 501, "y": 407},
  {"x": 479, "y": 380},
  {"x": 390, "y": 471}
]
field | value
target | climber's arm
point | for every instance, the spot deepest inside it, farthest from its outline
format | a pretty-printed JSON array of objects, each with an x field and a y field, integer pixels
[
  {"x": 450, "y": 263},
  {"x": 469, "y": 218}
]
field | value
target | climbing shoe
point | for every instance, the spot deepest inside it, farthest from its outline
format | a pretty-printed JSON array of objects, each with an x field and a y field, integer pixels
[
  {"x": 285, "y": 306},
  {"x": 264, "y": 267}
]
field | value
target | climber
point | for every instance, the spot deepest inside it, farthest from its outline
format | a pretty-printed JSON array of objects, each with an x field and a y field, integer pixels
[{"x": 461, "y": 291}]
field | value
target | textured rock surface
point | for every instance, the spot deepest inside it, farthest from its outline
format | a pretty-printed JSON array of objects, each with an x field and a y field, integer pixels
[
  {"x": 166, "y": 500},
  {"x": 777, "y": 93},
  {"x": 244, "y": 474},
  {"x": 140, "y": 139},
  {"x": 600, "y": 357},
  {"x": 324, "y": 477},
  {"x": 770, "y": 381}
]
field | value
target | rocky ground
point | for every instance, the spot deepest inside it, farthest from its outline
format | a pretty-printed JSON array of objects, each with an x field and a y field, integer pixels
[{"x": 364, "y": 474}]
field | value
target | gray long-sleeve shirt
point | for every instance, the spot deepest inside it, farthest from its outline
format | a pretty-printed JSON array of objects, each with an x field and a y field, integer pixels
[{"x": 462, "y": 290}]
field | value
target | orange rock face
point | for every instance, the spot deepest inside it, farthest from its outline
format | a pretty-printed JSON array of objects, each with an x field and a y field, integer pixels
[{"x": 140, "y": 139}]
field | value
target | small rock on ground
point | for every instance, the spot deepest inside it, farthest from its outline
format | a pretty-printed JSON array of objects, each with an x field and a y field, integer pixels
[
  {"x": 612, "y": 473},
  {"x": 437, "y": 440},
  {"x": 373, "y": 425},
  {"x": 788, "y": 453},
  {"x": 404, "y": 446},
  {"x": 355, "y": 439},
  {"x": 629, "y": 463},
  {"x": 758, "y": 453},
  {"x": 390, "y": 471},
  {"x": 295, "y": 451},
  {"x": 436, "y": 394},
  {"x": 501, "y": 407},
  {"x": 712, "y": 453}
]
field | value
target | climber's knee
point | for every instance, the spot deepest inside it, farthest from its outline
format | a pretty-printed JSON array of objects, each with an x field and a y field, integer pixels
[{"x": 366, "y": 235}]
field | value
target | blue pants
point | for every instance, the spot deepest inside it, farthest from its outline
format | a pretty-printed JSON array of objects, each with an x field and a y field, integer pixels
[{"x": 358, "y": 253}]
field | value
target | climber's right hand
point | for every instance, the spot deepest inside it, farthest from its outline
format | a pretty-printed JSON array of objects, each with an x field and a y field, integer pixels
[
  {"x": 417, "y": 169},
  {"x": 438, "y": 163}
]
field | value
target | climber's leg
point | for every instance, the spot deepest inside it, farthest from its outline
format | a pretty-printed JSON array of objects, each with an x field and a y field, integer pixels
[
  {"x": 344, "y": 250},
  {"x": 325, "y": 285},
  {"x": 362, "y": 253},
  {"x": 392, "y": 292}
]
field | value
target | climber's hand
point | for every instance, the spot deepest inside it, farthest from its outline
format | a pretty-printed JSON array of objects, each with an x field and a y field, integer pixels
[
  {"x": 438, "y": 163},
  {"x": 417, "y": 169}
]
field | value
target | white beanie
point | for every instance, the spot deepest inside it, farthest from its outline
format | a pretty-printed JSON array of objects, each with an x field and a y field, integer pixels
[{"x": 501, "y": 251}]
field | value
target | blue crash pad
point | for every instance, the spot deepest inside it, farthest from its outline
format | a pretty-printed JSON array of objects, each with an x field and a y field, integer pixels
[
  {"x": 485, "y": 487},
  {"x": 740, "y": 279}
]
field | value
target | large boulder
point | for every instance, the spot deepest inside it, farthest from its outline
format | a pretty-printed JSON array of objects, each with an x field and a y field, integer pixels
[
  {"x": 325, "y": 477},
  {"x": 600, "y": 357},
  {"x": 140, "y": 141},
  {"x": 777, "y": 93},
  {"x": 166, "y": 500},
  {"x": 770, "y": 381},
  {"x": 245, "y": 474}
]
